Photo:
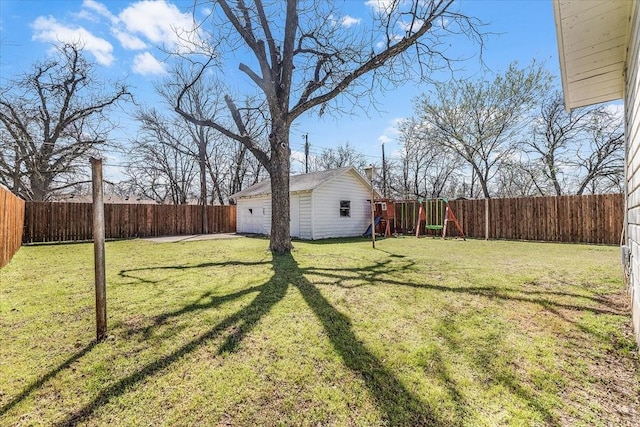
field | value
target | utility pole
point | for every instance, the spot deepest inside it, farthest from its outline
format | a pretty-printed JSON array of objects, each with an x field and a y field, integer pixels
[
  {"x": 98, "y": 249},
  {"x": 306, "y": 153},
  {"x": 384, "y": 174}
]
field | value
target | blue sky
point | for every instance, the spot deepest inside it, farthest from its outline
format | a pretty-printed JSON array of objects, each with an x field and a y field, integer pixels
[{"x": 122, "y": 37}]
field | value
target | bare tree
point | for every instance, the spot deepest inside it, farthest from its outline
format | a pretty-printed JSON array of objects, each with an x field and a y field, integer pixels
[
  {"x": 482, "y": 120},
  {"x": 299, "y": 55},
  {"x": 554, "y": 133},
  {"x": 600, "y": 157},
  {"x": 200, "y": 100},
  {"x": 428, "y": 169},
  {"x": 341, "y": 156},
  {"x": 51, "y": 120},
  {"x": 161, "y": 165},
  {"x": 516, "y": 178},
  {"x": 577, "y": 150}
]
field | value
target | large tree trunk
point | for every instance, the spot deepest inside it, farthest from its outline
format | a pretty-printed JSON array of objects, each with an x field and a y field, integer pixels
[
  {"x": 39, "y": 188},
  {"x": 280, "y": 241},
  {"x": 202, "y": 162},
  {"x": 551, "y": 167}
]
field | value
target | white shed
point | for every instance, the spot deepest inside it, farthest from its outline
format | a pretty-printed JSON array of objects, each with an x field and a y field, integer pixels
[
  {"x": 598, "y": 44},
  {"x": 333, "y": 203}
]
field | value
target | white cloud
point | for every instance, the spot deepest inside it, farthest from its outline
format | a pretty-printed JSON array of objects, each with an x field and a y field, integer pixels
[
  {"x": 384, "y": 139},
  {"x": 145, "y": 22},
  {"x": 157, "y": 21},
  {"x": 297, "y": 161},
  {"x": 442, "y": 22},
  {"x": 50, "y": 30},
  {"x": 128, "y": 41},
  {"x": 382, "y": 44},
  {"x": 411, "y": 26},
  {"x": 349, "y": 21},
  {"x": 147, "y": 64},
  {"x": 391, "y": 133},
  {"x": 395, "y": 123},
  {"x": 99, "y": 8},
  {"x": 379, "y": 5}
]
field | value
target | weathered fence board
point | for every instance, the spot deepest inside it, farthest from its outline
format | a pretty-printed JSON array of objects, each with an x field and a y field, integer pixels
[
  {"x": 59, "y": 222},
  {"x": 579, "y": 219},
  {"x": 11, "y": 225}
]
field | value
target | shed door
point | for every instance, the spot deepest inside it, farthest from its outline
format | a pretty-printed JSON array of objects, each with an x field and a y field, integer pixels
[
  {"x": 294, "y": 213},
  {"x": 253, "y": 224}
]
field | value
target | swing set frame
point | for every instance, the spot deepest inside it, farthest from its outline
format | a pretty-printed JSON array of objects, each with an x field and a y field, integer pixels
[
  {"x": 416, "y": 217},
  {"x": 437, "y": 214}
]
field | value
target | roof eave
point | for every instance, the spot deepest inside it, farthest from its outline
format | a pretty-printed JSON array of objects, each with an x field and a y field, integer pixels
[
  {"x": 584, "y": 91},
  {"x": 561, "y": 53}
]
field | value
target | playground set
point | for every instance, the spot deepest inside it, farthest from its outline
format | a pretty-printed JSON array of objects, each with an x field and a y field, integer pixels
[{"x": 415, "y": 217}]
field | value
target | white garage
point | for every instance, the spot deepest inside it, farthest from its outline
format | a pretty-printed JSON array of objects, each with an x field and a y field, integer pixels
[{"x": 324, "y": 204}]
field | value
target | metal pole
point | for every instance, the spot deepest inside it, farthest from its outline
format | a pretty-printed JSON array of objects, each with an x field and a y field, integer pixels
[
  {"x": 373, "y": 220},
  {"x": 98, "y": 250},
  {"x": 306, "y": 153},
  {"x": 384, "y": 174}
]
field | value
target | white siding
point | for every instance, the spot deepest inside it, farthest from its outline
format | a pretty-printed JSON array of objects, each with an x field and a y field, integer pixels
[
  {"x": 254, "y": 215},
  {"x": 327, "y": 221},
  {"x": 266, "y": 220},
  {"x": 294, "y": 215},
  {"x": 315, "y": 214},
  {"x": 632, "y": 111},
  {"x": 306, "y": 216}
]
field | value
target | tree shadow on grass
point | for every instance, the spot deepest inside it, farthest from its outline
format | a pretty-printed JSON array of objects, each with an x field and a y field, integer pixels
[
  {"x": 49, "y": 375},
  {"x": 489, "y": 357},
  {"x": 373, "y": 275},
  {"x": 206, "y": 301},
  {"x": 135, "y": 273},
  {"x": 398, "y": 405}
]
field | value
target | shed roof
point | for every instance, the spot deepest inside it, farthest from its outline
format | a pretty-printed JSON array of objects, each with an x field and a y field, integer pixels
[
  {"x": 302, "y": 182},
  {"x": 592, "y": 44}
]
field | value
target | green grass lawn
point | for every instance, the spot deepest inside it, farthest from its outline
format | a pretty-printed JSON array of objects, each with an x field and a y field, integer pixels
[{"x": 416, "y": 332}]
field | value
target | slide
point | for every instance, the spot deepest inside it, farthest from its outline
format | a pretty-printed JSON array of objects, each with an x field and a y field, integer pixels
[{"x": 376, "y": 222}]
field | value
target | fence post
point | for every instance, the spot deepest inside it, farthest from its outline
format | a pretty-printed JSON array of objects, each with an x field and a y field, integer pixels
[
  {"x": 98, "y": 249},
  {"x": 486, "y": 219}
]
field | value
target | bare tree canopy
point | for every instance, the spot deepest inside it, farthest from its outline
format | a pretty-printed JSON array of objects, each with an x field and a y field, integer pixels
[
  {"x": 161, "y": 162},
  {"x": 575, "y": 151},
  {"x": 340, "y": 156},
  {"x": 51, "y": 119},
  {"x": 175, "y": 161},
  {"x": 427, "y": 169},
  {"x": 482, "y": 120},
  {"x": 300, "y": 54},
  {"x": 600, "y": 156},
  {"x": 554, "y": 132}
]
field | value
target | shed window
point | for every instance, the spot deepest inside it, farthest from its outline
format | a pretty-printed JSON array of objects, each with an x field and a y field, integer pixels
[{"x": 345, "y": 208}]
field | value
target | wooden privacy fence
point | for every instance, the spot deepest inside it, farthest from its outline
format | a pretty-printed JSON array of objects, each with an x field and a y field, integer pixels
[
  {"x": 11, "y": 224},
  {"x": 578, "y": 219},
  {"x": 60, "y": 222}
]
